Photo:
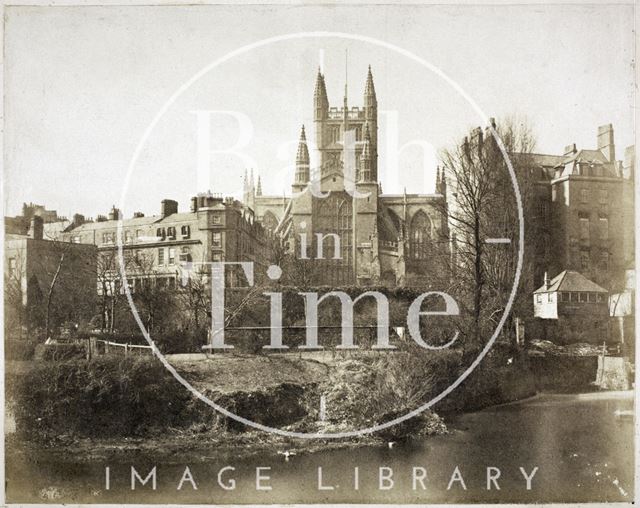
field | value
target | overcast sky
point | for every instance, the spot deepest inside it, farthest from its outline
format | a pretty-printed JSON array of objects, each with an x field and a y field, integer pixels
[{"x": 83, "y": 83}]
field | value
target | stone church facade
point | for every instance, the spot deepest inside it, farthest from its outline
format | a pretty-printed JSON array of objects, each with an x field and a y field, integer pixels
[{"x": 372, "y": 238}]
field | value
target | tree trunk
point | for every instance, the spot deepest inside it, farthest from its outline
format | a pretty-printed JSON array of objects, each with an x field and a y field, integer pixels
[
  {"x": 47, "y": 325},
  {"x": 477, "y": 296},
  {"x": 103, "y": 308},
  {"x": 113, "y": 313}
]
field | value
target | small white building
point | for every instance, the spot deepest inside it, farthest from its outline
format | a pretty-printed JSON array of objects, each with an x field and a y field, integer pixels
[{"x": 569, "y": 294}]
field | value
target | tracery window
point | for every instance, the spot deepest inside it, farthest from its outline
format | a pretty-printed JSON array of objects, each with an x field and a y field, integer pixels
[
  {"x": 420, "y": 236},
  {"x": 335, "y": 217}
]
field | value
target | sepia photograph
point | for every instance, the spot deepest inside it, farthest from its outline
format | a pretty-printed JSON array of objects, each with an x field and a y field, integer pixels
[{"x": 303, "y": 253}]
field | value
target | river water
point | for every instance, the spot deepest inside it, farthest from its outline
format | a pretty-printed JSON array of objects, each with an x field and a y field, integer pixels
[{"x": 582, "y": 449}]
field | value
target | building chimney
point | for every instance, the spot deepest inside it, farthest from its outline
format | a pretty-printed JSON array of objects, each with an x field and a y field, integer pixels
[
  {"x": 168, "y": 207},
  {"x": 137, "y": 215},
  {"x": 477, "y": 139},
  {"x": 36, "y": 230},
  {"x": 78, "y": 219},
  {"x": 570, "y": 149},
  {"x": 194, "y": 204},
  {"x": 114, "y": 213},
  {"x": 101, "y": 218},
  {"x": 546, "y": 280},
  {"x": 606, "y": 143}
]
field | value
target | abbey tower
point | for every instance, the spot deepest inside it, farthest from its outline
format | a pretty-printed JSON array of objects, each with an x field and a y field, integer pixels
[{"x": 368, "y": 239}]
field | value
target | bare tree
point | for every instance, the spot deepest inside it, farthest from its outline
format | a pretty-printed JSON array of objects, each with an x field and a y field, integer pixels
[
  {"x": 61, "y": 284},
  {"x": 50, "y": 290},
  {"x": 195, "y": 296},
  {"x": 153, "y": 296},
  {"x": 483, "y": 207},
  {"x": 110, "y": 281}
]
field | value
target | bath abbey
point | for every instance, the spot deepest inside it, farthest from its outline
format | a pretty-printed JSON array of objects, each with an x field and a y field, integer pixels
[{"x": 338, "y": 216}]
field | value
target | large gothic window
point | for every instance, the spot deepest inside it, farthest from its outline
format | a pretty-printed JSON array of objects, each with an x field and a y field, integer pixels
[
  {"x": 335, "y": 216},
  {"x": 420, "y": 236}
]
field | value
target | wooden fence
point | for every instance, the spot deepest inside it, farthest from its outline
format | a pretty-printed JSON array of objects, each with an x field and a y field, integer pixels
[{"x": 101, "y": 347}]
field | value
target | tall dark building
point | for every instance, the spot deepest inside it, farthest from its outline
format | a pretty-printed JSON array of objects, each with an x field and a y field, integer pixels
[{"x": 584, "y": 206}]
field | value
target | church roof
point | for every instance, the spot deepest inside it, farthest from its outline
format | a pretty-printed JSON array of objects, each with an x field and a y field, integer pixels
[{"x": 571, "y": 281}]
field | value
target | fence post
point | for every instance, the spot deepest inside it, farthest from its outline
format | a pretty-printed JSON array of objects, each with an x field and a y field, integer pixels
[
  {"x": 92, "y": 347},
  {"x": 126, "y": 350}
]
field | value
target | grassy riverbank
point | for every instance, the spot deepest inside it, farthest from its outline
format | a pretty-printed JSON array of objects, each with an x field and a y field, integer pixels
[{"x": 102, "y": 407}]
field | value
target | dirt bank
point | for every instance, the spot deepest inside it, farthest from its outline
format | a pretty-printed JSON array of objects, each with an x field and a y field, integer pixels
[{"x": 110, "y": 405}]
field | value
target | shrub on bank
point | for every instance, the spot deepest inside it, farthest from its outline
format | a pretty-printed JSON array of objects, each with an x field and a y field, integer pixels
[
  {"x": 60, "y": 352},
  {"x": 180, "y": 341},
  {"x": 368, "y": 391},
  {"x": 104, "y": 397}
]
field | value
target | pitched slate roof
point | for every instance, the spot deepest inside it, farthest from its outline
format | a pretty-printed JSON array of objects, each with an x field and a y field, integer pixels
[
  {"x": 587, "y": 156},
  {"x": 594, "y": 158},
  {"x": 571, "y": 281},
  {"x": 547, "y": 160},
  {"x": 568, "y": 163},
  {"x": 543, "y": 164}
]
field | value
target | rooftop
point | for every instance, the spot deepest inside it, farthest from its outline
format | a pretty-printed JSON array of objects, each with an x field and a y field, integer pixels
[
  {"x": 586, "y": 156},
  {"x": 547, "y": 160},
  {"x": 571, "y": 281}
]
